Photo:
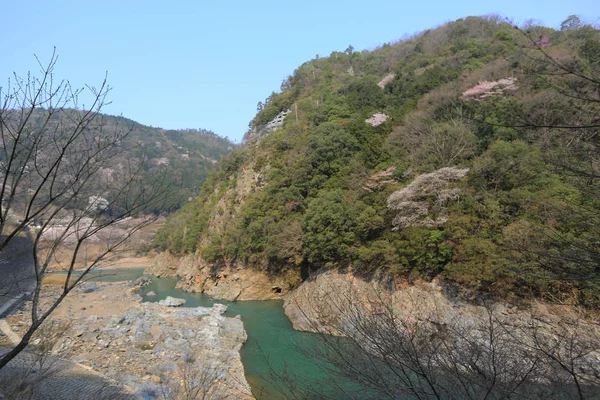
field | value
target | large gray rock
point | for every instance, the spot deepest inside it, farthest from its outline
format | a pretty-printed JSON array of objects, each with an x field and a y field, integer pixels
[
  {"x": 143, "y": 281},
  {"x": 88, "y": 287},
  {"x": 172, "y": 302}
]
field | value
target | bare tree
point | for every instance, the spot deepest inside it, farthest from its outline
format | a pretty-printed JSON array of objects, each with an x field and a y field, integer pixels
[
  {"x": 64, "y": 182},
  {"x": 432, "y": 143},
  {"x": 192, "y": 381}
]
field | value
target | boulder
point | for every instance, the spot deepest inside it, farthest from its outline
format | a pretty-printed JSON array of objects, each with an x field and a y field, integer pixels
[
  {"x": 172, "y": 302},
  {"x": 143, "y": 280},
  {"x": 88, "y": 287}
]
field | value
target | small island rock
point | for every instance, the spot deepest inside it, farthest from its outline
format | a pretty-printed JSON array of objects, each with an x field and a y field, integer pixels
[{"x": 172, "y": 302}]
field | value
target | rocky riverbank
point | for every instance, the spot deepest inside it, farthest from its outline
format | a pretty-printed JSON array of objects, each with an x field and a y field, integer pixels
[
  {"x": 547, "y": 337},
  {"x": 152, "y": 348},
  {"x": 230, "y": 283},
  {"x": 322, "y": 300}
]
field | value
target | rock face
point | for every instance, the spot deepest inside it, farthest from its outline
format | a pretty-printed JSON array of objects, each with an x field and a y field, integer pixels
[
  {"x": 324, "y": 300},
  {"x": 229, "y": 283},
  {"x": 172, "y": 302},
  {"x": 234, "y": 284},
  {"x": 277, "y": 122},
  {"x": 232, "y": 281},
  {"x": 164, "y": 264},
  {"x": 533, "y": 341},
  {"x": 377, "y": 119},
  {"x": 316, "y": 305},
  {"x": 332, "y": 302},
  {"x": 263, "y": 130}
]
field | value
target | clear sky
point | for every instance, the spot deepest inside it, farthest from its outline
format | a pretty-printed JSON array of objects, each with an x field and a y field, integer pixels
[{"x": 200, "y": 64}]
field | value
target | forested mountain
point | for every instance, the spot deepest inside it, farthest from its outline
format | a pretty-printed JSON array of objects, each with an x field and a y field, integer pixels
[
  {"x": 184, "y": 155},
  {"x": 468, "y": 152}
]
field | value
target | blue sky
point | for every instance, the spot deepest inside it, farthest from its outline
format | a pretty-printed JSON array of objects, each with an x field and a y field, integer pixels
[{"x": 198, "y": 64}]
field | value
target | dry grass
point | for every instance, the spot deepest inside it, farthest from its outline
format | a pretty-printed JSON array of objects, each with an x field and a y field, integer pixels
[{"x": 58, "y": 280}]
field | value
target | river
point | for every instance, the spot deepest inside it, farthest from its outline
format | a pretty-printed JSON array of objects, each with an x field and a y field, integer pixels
[{"x": 270, "y": 337}]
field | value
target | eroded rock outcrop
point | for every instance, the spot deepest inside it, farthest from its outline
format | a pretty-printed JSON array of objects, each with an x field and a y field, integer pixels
[
  {"x": 382, "y": 311},
  {"x": 327, "y": 300},
  {"x": 230, "y": 283},
  {"x": 262, "y": 130},
  {"x": 534, "y": 344},
  {"x": 225, "y": 283},
  {"x": 165, "y": 264}
]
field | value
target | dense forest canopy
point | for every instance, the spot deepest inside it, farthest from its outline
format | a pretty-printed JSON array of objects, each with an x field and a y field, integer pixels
[{"x": 468, "y": 152}]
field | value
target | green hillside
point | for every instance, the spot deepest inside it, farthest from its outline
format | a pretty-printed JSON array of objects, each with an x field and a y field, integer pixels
[
  {"x": 184, "y": 155},
  {"x": 469, "y": 152}
]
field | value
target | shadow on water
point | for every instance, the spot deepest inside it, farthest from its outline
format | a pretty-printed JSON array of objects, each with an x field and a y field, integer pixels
[{"x": 270, "y": 337}]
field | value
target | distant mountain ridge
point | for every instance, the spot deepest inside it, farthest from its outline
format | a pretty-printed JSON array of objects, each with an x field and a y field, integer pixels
[{"x": 186, "y": 155}]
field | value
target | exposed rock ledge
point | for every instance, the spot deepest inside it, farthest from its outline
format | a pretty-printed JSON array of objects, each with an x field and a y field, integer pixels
[
  {"x": 324, "y": 303},
  {"x": 533, "y": 342},
  {"x": 196, "y": 275},
  {"x": 147, "y": 346}
]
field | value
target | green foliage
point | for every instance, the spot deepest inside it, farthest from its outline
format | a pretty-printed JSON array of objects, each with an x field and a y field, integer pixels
[
  {"x": 378, "y": 254},
  {"x": 329, "y": 149},
  {"x": 214, "y": 251},
  {"x": 314, "y": 192},
  {"x": 506, "y": 166},
  {"x": 433, "y": 145},
  {"x": 590, "y": 50},
  {"x": 494, "y": 119},
  {"x": 503, "y": 35},
  {"x": 328, "y": 228},
  {"x": 423, "y": 252},
  {"x": 363, "y": 95}
]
